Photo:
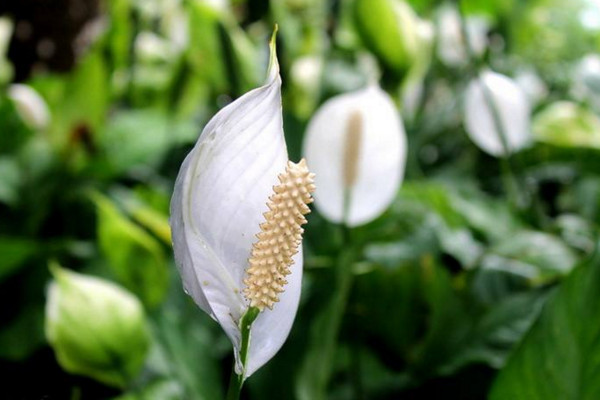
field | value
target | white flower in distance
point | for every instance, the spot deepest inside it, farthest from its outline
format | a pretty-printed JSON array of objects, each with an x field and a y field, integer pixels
[
  {"x": 356, "y": 145},
  {"x": 451, "y": 47},
  {"x": 30, "y": 105},
  {"x": 513, "y": 112},
  {"x": 236, "y": 213}
]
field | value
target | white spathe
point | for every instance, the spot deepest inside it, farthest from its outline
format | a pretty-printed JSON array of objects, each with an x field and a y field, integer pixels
[
  {"x": 513, "y": 111},
  {"x": 451, "y": 43},
  {"x": 381, "y": 155},
  {"x": 219, "y": 199},
  {"x": 30, "y": 105}
]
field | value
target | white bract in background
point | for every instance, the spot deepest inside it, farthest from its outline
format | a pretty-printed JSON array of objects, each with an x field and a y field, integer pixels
[
  {"x": 513, "y": 112},
  {"x": 356, "y": 145}
]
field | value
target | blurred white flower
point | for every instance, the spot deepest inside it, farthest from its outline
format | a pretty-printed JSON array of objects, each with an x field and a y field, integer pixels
[
  {"x": 585, "y": 84},
  {"x": 30, "y": 105},
  {"x": 356, "y": 145},
  {"x": 6, "y": 29},
  {"x": 533, "y": 86},
  {"x": 513, "y": 112},
  {"x": 237, "y": 186},
  {"x": 96, "y": 328},
  {"x": 306, "y": 71},
  {"x": 451, "y": 43},
  {"x": 305, "y": 76},
  {"x": 6, "y": 68},
  {"x": 151, "y": 47}
]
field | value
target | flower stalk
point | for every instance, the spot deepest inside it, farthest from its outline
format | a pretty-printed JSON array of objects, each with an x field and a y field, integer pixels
[{"x": 237, "y": 381}]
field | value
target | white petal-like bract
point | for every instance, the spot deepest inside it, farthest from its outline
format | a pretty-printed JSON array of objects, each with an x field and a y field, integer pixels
[
  {"x": 356, "y": 143},
  {"x": 451, "y": 47},
  {"x": 30, "y": 105},
  {"x": 513, "y": 110},
  {"x": 218, "y": 203}
]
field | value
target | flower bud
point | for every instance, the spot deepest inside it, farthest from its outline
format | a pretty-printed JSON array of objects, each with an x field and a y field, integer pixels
[
  {"x": 567, "y": 124},
  {"x": 96, "y": 328},
  {"x": 508, "y": 103},
  {"x": 389, "y": 28}
]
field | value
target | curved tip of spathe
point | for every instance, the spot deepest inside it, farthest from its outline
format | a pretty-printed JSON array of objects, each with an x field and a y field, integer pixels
[{"x": 273, "y": 70}]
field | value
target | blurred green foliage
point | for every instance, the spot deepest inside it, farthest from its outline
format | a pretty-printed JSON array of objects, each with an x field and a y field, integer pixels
[{"x": 453, "y": 286}]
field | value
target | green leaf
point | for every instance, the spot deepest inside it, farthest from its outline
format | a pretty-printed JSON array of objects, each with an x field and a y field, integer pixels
[
  {"x": 13, "y": 253},
  {"x": 536, "y": 256},
  {"x": 135, "y": 257},
  {"x": 567, "y": 124},
  {"x": 314, "y": 375},
  {"x": 11, "y": 180},
  {"x": 189, "y": 345},
  {"x": 140, "y": 139},
  {"x": 560, "y": 356},
  {"x": 21, "y": 337},
  {"x": 157, "y": 390}
]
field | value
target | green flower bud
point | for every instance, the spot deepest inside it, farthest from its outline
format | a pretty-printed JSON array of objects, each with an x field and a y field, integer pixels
[
  {"x": 96, "y": 328},
  {"x": 564, "y": 123},
  {"x": 390, "y": 29}
]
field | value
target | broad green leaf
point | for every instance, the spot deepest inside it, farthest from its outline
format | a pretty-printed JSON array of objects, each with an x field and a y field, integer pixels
[
  {"x": 139, "y": 139},
  {"x": 559, "y": 358},
  {"x": 535, "y": 256},
  {"x": 189, "y": 346},
  {"x": 135, "y": 257}
]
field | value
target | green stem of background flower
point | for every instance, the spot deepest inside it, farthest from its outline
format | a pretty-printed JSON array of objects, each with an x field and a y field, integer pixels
[
  {"x": 317, "y": 367},
  {"x": 517, "y": 192}
]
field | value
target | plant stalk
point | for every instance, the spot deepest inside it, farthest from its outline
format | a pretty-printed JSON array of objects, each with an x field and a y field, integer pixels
[{"x": 237, "y": 381}]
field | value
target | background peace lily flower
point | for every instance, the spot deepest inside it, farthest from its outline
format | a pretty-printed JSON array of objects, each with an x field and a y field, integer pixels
[
  {"x": 30, "y": 105},
  {"x": 234, "y": 212},
  {"x": 513, "y": 109},
  {"x": 356, "y": 144},
  {"x": 451, "y": 47}
]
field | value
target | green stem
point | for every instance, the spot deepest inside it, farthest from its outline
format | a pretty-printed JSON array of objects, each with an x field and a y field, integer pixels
[
  {"x": 317, "y": 366},
  {"x": 516, "y": 190},
  {"x": 237, "y": 381}
]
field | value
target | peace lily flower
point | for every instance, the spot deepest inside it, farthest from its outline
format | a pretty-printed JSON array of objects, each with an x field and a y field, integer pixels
[
  {"x": 533, "y": 86},
  {"x": 356, "y": 145},
  {"x": 451, "y": 47},
  {"x": 236, "y": 216},
  {"x": 585, "y": 84},
  {"x": 30, "y": 105},
  {"x": 510, "y": 104}
]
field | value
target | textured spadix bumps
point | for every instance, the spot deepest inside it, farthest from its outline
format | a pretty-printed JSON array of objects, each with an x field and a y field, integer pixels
[
  {"x": 225, "y": 185},
  {"x": 280, "y": 236}
]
